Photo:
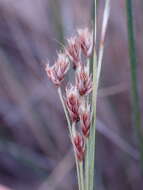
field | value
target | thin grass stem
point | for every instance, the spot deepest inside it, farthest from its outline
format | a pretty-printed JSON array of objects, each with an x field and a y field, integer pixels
[
  {"x": 96, "y": 75},
  {"x": 76, "y": 160},
  {"x": 65, "y": 110},
  {"x": 87, "y": 165},
  {"x": 82, "y": 175},
  {"x": 78, "y": 173},
  {"x": 87, "y": 142},
  {"x": 93, "y": 127},
  {"x": 133, "y": 66},
  {"x": 103, "y": 32}
]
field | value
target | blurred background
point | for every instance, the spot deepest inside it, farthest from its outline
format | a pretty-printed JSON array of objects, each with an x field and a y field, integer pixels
[{"x": 35, "y": 150}]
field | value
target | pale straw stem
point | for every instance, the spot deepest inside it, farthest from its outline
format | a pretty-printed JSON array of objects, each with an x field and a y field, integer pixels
[
  {"x": 65, "y": 110},
  {"x": 103, "y": 32},
  {"x": 76, "y": 160},
  {"x": 81, "y": 175},
  {"x": 87, "y": 164}
]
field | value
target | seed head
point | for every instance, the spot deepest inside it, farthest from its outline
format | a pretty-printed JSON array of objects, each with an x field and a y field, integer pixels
[
  {"x": 73, "y": 103},
  {"x": 83, "y": 81},
  {"x": 79, "y": 144},
  {"x": 57, "y": 72},
  {"x": 73, "y": 50},
  {"x": 85, "y": 119},
  {"x": 85, "y": 38}
]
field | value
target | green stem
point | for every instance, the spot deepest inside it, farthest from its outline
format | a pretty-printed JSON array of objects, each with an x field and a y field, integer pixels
[
  {"x": 87, "y": 165},
  {"x": 94, "y": 7},
  {"x": 81, "y": 175},
  {"x": 93, "y": 127},
  {"x": 78, "y": 173},
  {"x": 96, "y": 75},
  {"x": 87, "y": 141},
  {"x": 133, "y": 66}
]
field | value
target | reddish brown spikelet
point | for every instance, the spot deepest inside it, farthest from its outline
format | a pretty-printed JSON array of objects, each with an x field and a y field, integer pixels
[
  {"x": 57, "y": 72},
  {"x": 85, "y": 120},
  {"x": 85, "y": 38},
  {"x": 73, "y": 103},
  {"x": 79, "y": 144},
  {"x": 73, "y": 50},
  {"x": 83, "y": 81}
]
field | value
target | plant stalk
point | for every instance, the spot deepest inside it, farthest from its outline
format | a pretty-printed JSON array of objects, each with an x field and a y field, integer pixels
[
  {"x": 93, "y": 101},
  {"x": 133, "y": 69},
  {"x": 65, "y": 110},
  {"x": 78, "y": 169},
  {"x": 81, "y": 175}
]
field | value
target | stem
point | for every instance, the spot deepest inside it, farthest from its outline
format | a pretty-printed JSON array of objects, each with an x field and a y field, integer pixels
[
  {"x": 81, "y": 175},
  {"x": 87, "y": 165},
  {"x": 103, "y": 32},
  {"x": 76, "y": 160},
  {"x": 96, "y": 76},
  {"x": 71, "y": 136},
  {"x": 93, "y": 127},
  {"x": 78, "y": 173},
  {"x": 94, "y": 20},
  {"x": 65, "y": 110},
  {"x": 133, "y": 65}
]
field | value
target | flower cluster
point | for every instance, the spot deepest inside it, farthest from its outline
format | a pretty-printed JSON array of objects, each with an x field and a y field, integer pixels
[{"x": 77, "y": 52}]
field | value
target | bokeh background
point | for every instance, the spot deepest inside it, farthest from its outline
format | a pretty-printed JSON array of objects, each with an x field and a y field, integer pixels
[{"x": 35, "y": 150}]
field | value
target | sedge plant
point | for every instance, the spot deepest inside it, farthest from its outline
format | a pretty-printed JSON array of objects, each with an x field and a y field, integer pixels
[{"x": 79, "y": 97}]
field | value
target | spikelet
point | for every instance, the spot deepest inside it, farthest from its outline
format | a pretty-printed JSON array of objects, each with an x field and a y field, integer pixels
[
  {"x": 73, "y": 102},
  {"x": 57, "y": 72},
  {"x": 85, "y": 119},
  {"x": 83, "y": 80},
  {"x": 79, "y": 144},
  {"x": 73, "y": 50},
  {"x": 85, "y": 39}
]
